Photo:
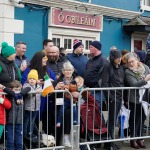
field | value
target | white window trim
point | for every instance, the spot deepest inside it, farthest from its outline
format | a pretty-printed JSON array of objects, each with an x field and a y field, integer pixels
[
  {"x": 138, "y": 36},
  {"x": 143, "y": 6}
]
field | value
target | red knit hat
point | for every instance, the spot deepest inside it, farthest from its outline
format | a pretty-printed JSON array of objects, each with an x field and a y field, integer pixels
[{"x": 76, "y": 43}]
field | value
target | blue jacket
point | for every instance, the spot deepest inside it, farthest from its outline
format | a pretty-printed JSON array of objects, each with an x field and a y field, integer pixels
[{"x": 79, "y": 62}]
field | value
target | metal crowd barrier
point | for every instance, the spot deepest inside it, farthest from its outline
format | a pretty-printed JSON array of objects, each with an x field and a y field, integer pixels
[
  {"x": 38, "y": 130},
  {"x": 91, "y": 139},
  {"x": 80, "y": 135}
]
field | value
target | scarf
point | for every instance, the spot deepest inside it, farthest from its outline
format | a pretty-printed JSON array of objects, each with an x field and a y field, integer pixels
[{"x": 139, "y": 72}]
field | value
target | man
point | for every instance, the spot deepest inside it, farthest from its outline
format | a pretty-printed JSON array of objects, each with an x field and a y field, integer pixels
[
  {"x": 94, "y": 69},
  {"x": 21, "y": 60},
  {"x": 113, "y": 76},
  {"x": 55, "y": 60},
  {"x": 47, "y": 44},
  {"x": 77, "y": 58}
]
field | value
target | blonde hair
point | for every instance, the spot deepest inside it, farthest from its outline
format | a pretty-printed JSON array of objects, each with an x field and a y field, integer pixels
[{"x": 81, "y": 80}]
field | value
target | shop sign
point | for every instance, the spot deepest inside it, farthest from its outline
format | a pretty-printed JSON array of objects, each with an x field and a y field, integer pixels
[{"x": 71, "y": 19}]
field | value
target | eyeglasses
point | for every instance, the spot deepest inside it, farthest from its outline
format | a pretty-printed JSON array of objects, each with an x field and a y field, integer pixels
[
  {"x": 68, "y": 70},
  {"x": 132, "y": 61}
]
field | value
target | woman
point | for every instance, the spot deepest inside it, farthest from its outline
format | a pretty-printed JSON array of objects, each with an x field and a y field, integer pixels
[
  {"x": 38, "y": 62},
  {"x": 66, "y": 78},
  {"x": 137, "y": 74},
  {"x": 8, "y": 70}
]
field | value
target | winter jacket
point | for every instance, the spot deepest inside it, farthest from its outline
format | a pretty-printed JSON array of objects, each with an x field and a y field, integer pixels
[
  {"x": 8, "y": 71},
  {"x": 133, "y": 81},
  {"x": 147, "y": 60},
  {"x": 79, "y": 62},
  {"x": 93, "y": 66},
  {"x": 32, "y": 101},
  {"x": 6, "y": 105},
  {"x": 15, "y": 114},
  {"x": 113, "y": 77},
  {"x": 57, "y": 66},
  {"x": 18, "y": 61}
]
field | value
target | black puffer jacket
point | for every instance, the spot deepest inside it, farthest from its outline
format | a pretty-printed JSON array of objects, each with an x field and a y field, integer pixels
[{"x": 9, "y": 72}]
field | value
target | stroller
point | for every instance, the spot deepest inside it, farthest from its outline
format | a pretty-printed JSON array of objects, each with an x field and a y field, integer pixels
[{"x": 93, "y": 126}]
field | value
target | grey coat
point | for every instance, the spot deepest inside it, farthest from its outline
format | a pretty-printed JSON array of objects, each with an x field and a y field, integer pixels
[
  {"x": 32, "y": 101},
  {"x": 132, "y": 81}
]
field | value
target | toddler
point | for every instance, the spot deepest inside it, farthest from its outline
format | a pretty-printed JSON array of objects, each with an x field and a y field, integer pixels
[
  {"x": 32, "y": 105},
  {"x": 14, "y": 115}
]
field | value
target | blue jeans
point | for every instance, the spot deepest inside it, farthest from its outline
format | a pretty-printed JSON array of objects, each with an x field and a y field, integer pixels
[
  {"x": 14, "y": 137},
  {"x": 99, "y": 96},
  {"x": 28, "y": 124},
  {"x": 67, "y": 104}
]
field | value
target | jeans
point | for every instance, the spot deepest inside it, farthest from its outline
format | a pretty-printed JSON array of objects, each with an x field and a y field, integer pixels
[
  {"x": 14, "y": 137},
  {"x": 99, "y": 96},
  {"x": 67, "y": 105},
  {"x": 29, "y": 119}
]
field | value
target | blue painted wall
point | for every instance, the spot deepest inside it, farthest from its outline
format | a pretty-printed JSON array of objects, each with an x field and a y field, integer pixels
[
  {"x": 113, "y": 35},
  {"x": 133, "y": 5},
  {"x": 35, "y": 28}
]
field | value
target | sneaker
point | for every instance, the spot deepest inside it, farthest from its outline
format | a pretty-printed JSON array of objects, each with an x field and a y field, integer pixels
[
  {"x": 57, "y": 125},
  {"x": 67, "y": 141}
]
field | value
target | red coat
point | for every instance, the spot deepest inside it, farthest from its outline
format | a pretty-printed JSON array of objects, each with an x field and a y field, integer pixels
[{"x": 5, "y": 105}]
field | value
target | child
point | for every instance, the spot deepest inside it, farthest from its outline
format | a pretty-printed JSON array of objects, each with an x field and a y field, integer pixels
[
  {"x": 15, "y": 115},
  {"x": 32, "y": 105},
  {"x": 4, "y": 104}
]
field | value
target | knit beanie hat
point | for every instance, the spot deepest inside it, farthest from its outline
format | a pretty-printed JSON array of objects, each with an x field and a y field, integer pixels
[
  {"x": 7, "y": 50},
  {"x": 33, "y": 74},
  {"x": 114, "y": 55},
  {"x": 76, "y": 44},
  {"x": 96, "y": 44}
]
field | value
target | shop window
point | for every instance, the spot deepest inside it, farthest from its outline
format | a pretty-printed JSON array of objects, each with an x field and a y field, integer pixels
[
  {"x": 145, "y": 5},
  {"x": 56, "y": 42},
  {"x": 67, "y": 43},
  {"x": 87, "y": 44}
]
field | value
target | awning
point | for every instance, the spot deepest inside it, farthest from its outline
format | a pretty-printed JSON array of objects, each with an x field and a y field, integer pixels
[{"x": 140, "y": 24}]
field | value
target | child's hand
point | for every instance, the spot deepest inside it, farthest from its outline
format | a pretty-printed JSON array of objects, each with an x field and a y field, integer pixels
[
  {"x": 2, "y": 86},
  {"x": 75, "y": 94},
  {"x": 40, "y": 81}
]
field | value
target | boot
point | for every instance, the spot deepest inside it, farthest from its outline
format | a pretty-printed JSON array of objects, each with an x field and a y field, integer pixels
[
  {"x": 141, "y": 143},
  {"x": 134, "y": 144}
]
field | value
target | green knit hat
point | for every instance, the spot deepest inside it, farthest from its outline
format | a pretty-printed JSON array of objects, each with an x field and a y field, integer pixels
[
  {"x": 7, "y": 50},
  {"x": 1, "y": 130}
]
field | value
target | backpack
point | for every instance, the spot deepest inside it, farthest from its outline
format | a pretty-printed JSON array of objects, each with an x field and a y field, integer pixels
[{"x": 91, "y": 118}]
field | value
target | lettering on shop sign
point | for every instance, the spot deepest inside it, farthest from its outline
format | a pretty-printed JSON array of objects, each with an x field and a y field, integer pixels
[{"x": 75, "y": 20}]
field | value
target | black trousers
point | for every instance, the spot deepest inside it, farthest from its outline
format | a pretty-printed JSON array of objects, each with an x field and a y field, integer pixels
[
  {"x": 136, "y": 121},
  {"x": 114, "y": 108}
]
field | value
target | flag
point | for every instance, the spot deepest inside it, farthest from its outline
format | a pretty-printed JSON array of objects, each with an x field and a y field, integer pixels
[{"x": 48, "y": 87}]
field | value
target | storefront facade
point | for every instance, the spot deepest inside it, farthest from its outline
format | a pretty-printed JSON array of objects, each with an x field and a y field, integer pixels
[{"x": 65, "y": 20}]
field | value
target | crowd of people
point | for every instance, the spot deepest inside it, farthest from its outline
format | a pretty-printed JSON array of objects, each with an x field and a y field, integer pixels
[{"x": 74, "y": 71}]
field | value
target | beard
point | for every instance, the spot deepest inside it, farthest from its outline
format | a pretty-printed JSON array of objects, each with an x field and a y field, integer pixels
[{"x": 52, "y": 58}]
